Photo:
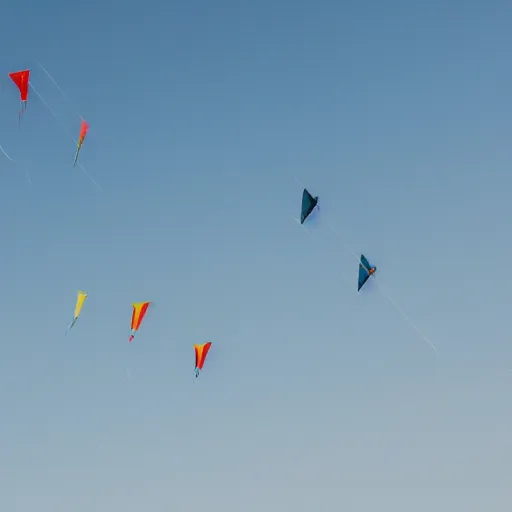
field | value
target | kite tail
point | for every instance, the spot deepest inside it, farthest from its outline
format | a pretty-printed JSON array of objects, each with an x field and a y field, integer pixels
[
  {"x": 71, "y": 326},
  {"x": 197, "y": 373},
  {"x": 76, "y": 156},
  {"x": 23, "y": 107}
]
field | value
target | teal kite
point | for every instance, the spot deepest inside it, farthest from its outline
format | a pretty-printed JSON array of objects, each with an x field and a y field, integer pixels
[
  {"x": 308, "y": 205},
  {"x": 365, "y": 271}
]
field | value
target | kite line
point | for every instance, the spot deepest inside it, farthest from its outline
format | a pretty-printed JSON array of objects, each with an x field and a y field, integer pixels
[
  {"x": 343, "y": 275},
  {"x": 27, "y": 175},
  {"x": 59, "y": 120},
  {"x": 379, "y": 287},
  {"x": 60, "y": 89},
  {"x": 385, "y": 293},
  {"x": 84, "y": 126}
]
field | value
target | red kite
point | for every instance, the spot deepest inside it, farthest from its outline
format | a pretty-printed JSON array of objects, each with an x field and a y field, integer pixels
[
  {"x": 21, "y": 78},
  {"x": 201, "y": 353},
  {"x": 139, "y": 310},
  {"x": 83, "y": 132}
]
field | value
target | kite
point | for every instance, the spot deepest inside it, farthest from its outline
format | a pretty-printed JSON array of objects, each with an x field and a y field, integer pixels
[
  {"x": 20, "y": 78},
  {"x": 201, "y": 353},
  {"x": 83, "y": 132},
  {"x": 365, "y": 271},
  {"x": 308, "y": 205},
  {"x": 81, "y": 296},
  {"x": 139, "y": 310}
]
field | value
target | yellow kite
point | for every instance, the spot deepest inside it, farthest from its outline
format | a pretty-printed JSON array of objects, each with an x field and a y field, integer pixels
[
  {"x": 81, "y": 296},
  {"x": 139, "y": 310}
]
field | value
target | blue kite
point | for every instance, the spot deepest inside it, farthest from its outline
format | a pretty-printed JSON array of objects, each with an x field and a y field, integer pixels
[
  {"x": 365, "y": 271},
  {"x": 308, "y": 205}
]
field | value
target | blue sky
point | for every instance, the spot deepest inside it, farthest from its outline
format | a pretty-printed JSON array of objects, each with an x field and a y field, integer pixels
[{"x": 313, "y": 397}]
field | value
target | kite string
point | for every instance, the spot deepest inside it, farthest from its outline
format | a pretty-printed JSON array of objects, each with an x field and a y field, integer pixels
[
  {"x": 53, "y": 113},
  {"x": 412, "y": 324},
  {"x": 386, "y": 294},
  {"x": 59, "y": 120},
  {"x": 89, "y": 176},
  {"x": 379, "y": 287},
  {"x": 27, "y": 175},
  {"x": 344, "y": 277},
  {"x": 59, "y": 88},
  {"x": 331, "y": 226}
]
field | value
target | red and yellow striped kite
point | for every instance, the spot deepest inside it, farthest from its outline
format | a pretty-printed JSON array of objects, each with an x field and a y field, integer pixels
[
  {"x": 139, "y": 310},
  {"x": 201, "y": 353}
]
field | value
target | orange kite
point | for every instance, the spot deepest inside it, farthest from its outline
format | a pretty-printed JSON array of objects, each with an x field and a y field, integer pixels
[
  {"x": 201, "y": 353},
  {"x": 83, "y": 132},
  {"x": 139, "y": 310}
]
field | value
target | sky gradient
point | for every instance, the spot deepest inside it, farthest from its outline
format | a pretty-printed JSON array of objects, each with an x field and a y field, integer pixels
[{"x": 398, "y": 116}]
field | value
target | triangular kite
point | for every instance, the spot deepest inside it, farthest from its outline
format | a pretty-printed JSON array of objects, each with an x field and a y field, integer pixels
[
  {"x": 139, "y": 310},
  {"x": 365, "y": 271},
  {"x": 80, "y": 299},
  {"x": 308, "y": 205},
  {"x": 201, "y": 353},
  {"x": 21, "y": 79}
]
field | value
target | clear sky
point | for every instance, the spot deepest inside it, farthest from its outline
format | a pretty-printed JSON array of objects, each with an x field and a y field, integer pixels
[{"x": 398, "y": 115}]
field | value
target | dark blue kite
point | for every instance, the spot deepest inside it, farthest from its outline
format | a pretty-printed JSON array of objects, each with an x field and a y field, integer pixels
[
  {"x": 308, "y": 205},
  {"x": 365, "y": 271}
]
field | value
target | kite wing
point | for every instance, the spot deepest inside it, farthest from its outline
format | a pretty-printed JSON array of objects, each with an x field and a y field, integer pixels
[
  {"x": 20, "y": 78},
  {"x": 83, "y": 132},
  {"x": 365, "y": 271},
  {"x": 201, "y": 353},
  {"x": 139, "y": 310},
  {"x": 81, "y": 296},
  {"x": 308, "y": 205}
]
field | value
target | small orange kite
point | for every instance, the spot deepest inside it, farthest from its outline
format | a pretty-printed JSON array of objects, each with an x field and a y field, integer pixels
[
  {"x": 139, "y": 310},
  {"x": 201, "y": 353},
  {"x": 83, "y": 132}
]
